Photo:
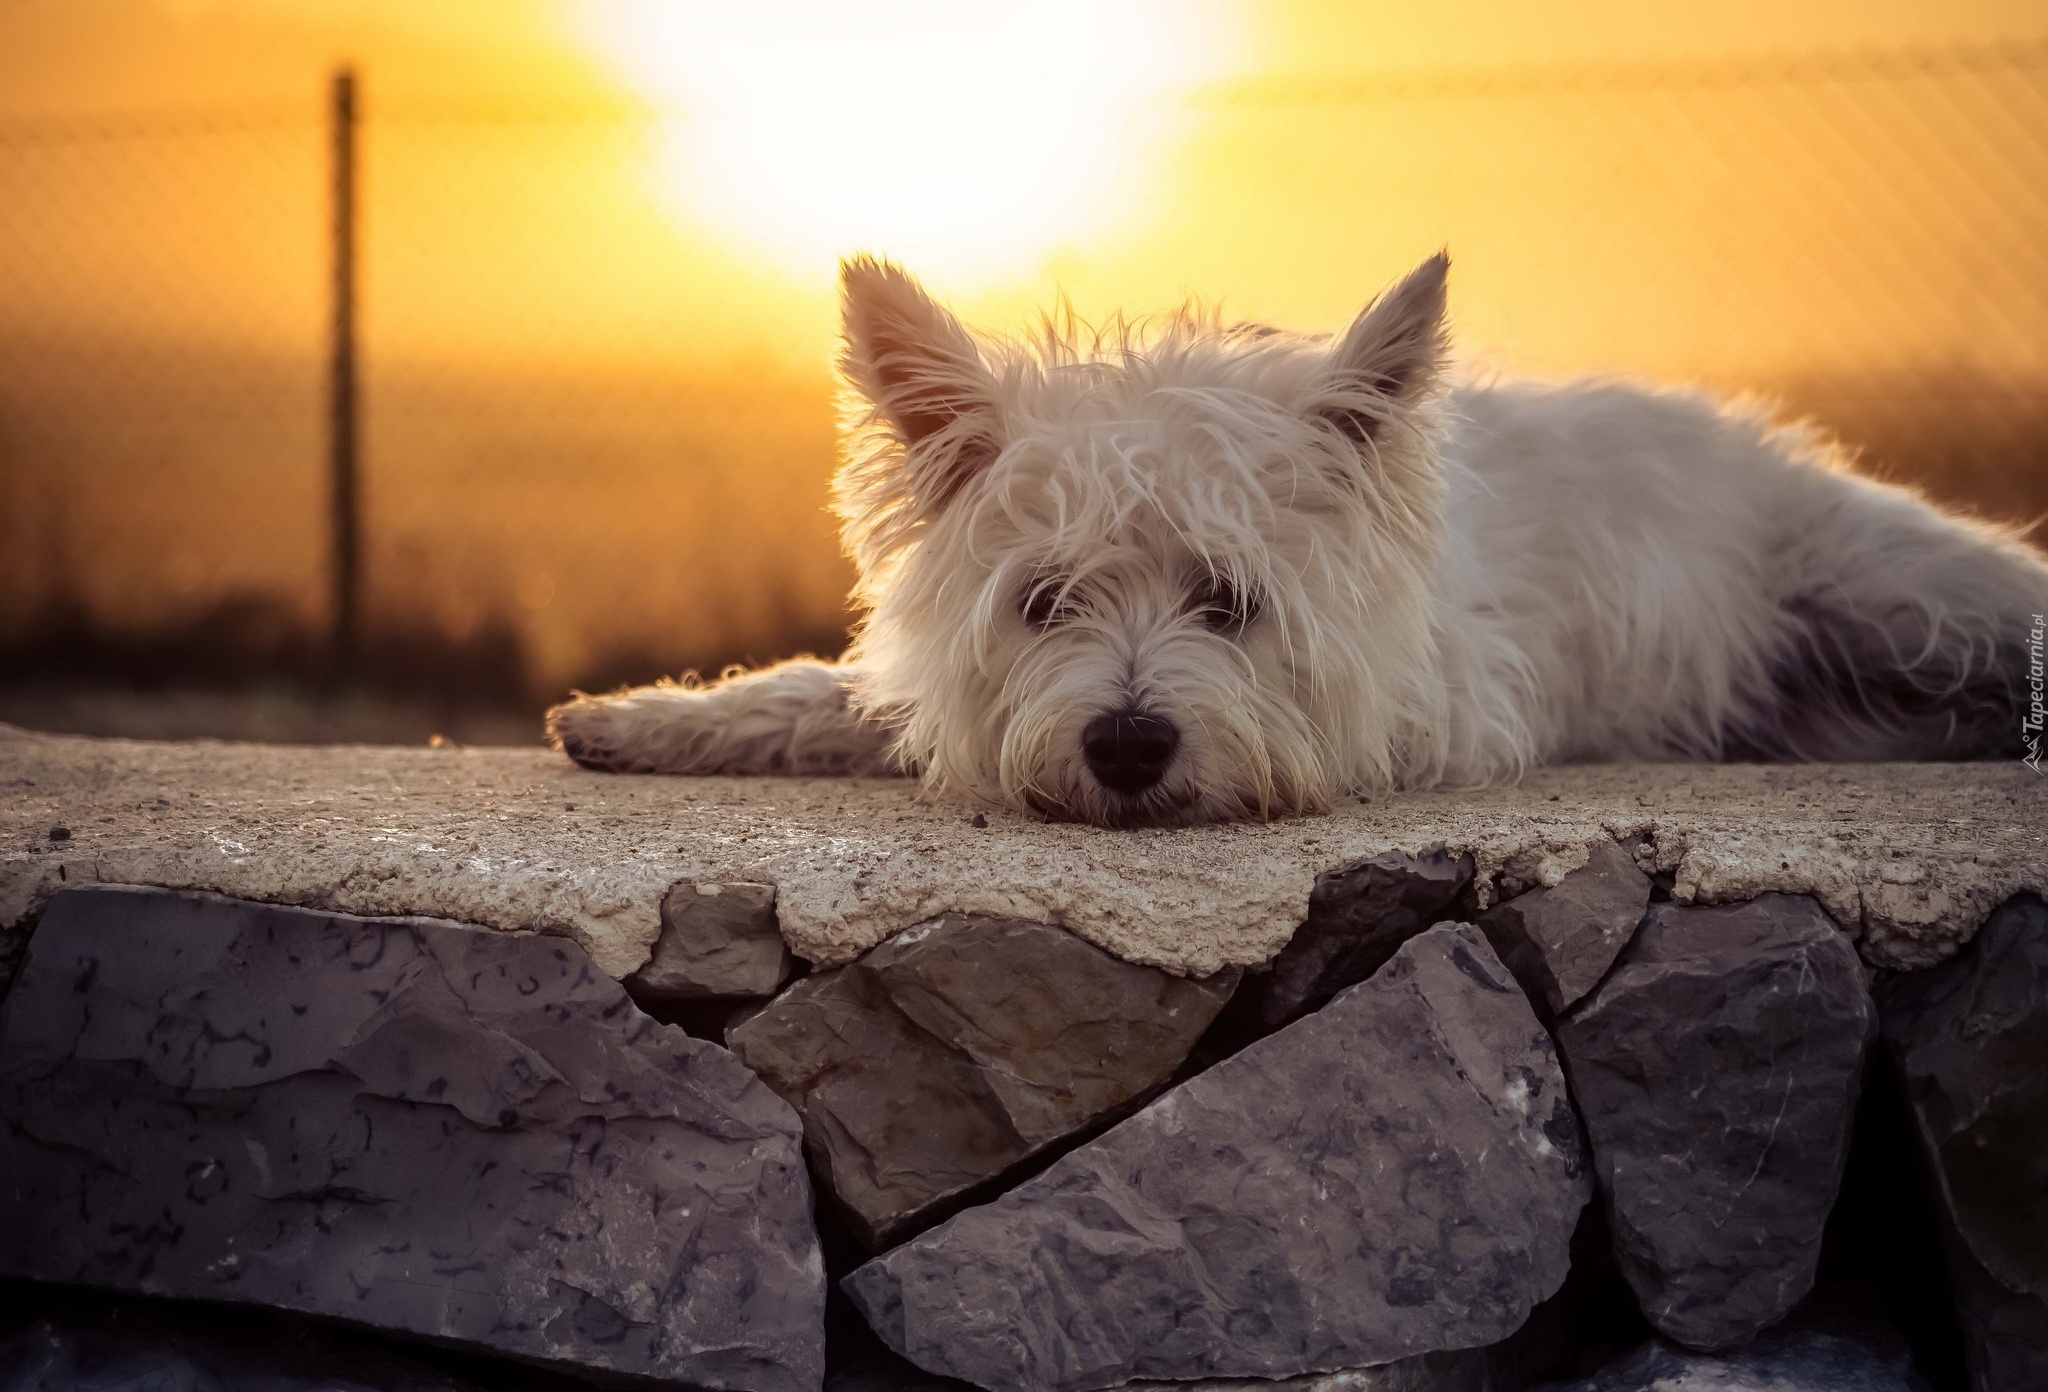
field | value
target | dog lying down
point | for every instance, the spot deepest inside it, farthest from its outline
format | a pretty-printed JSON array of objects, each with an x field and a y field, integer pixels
[{"x": 1188, "y": 572}]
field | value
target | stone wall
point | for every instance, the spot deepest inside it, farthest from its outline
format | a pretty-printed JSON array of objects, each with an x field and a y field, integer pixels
[{"x": 1494, "y": 1112}]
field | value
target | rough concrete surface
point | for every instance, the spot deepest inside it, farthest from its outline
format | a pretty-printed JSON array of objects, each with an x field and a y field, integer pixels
[{"x": 1911, "y": 857}]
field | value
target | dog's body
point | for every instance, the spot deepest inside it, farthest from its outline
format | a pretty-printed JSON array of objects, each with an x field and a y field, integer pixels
[{"x": 1213, "y": 573}]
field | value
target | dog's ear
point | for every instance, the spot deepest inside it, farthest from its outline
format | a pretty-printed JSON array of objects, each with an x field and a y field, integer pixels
[
  {"x": 1391, "y": 357},
  {"x": 921, "y": 371}
]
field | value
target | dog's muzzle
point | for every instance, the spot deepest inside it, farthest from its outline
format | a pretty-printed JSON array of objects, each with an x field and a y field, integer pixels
[{"x": 1129, "y": 751}]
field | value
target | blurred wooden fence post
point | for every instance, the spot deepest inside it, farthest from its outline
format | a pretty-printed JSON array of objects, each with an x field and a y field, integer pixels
[{"x": 343, "y": 402}]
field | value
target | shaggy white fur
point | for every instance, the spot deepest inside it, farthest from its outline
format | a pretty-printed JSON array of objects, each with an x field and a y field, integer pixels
[{"x": 1183, "y": 571}]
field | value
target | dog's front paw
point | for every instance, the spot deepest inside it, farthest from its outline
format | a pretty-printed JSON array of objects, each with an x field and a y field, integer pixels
[
  {"x": 581, "y": 729},
  {"x": 570, "y": 727},
  {"x": 664, "y": 728},
  {"x": 794, "y": 718}
]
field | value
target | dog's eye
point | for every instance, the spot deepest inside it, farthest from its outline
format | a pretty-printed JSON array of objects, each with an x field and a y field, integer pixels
[
  {"x": 1221, "y": 606},
  {"x": 1044, "y": 604}
]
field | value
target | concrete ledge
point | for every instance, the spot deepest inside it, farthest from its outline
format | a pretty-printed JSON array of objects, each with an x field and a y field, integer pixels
[{"x": 1909, "y": 859}]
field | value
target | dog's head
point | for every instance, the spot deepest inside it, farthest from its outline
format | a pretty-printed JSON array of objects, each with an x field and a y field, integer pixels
[{"x": 1174, "y": 573}]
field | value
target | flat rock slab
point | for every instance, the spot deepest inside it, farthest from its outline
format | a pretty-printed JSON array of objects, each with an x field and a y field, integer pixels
[
  {"x": 1911, "y": 856},
  {"x": 1793, "y": 1360},
  {"x": 1358, "y": 917},
  {"x": 718, "y": 942},
  {"x": 1717, "y": 1069},
  {"x": 1398, "y": 1173},
  {"x": 1459, "y": 1370},
  {"x": 412, "y": 1125},
  {"x": 960, "y": 1048},
  {"x": 1561, "y": 940},
  {"x": 1970, "y": 1041},
  {"x": 2005, "y": 1332},
  {"x": 49, "y": 1356}
]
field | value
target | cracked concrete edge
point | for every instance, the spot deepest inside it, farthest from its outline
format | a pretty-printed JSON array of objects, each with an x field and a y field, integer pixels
[
  {"x": 518, "y": 840},
  {"x": 615, "y": 915},
  {"x": 617, "y": 924}
]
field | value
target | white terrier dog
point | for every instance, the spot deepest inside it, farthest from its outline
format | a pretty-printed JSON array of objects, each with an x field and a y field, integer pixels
[{"x": 1199, "y": 572}]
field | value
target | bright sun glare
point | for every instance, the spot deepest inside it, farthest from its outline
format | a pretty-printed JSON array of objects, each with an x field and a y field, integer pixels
[{"x": 966, "y": 138}]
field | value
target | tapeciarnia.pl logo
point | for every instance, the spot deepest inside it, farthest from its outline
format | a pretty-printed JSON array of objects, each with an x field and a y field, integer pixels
[{"x": 2031, "y": 722}]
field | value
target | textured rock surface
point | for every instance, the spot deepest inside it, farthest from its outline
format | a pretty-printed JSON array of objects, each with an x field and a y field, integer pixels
[
  {"x": 1802, "y": 1360},
  {"x": 1397, "y": 1173},
  {"x": 1970, "y": 1041},
  {"x": 718, "y": 942},
  {"x": 876, "y": 1369},
  {"x": 961, "y": 1047},
  {"x": 1717, "y": 1070},
  {"x": 13, "y": 948},
  {"x": 52, "y": 1357},
  {"x": 1559, "y": 941},
  {"x": 1913, "y": 856},
  {"x": 413, "y": 1125},
  {"x": 1462, "y": 1370},
  {"x": 1358, "y": 917},
  {"x": 2005, "y": 1332}
]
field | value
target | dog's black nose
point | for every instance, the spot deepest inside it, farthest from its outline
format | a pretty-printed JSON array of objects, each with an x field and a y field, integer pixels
[{"x": 1128, "y": 752}]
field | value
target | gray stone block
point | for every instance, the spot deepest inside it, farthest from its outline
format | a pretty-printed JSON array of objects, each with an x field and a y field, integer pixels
[
  {"x": 960, "y": 1048},
  {"x": 1970, "y": 1041},
  {"x": 49, "y": 1356},
  {"x": 1559, "y": 941},
  {"x": 718, "y": 942},
  {"x": 1358, "y": 917},
  {"x": 1782, "y": 1360},
  {"x": 1717, "y": 1068},
  {"x": 409, "y": 1124},
  {"x": 13, "y": 948},
  {"x": 2005, "y": 1332},
  {"x": 1396, "y": 1174},
  {"x": 1461, "y": 1370}
]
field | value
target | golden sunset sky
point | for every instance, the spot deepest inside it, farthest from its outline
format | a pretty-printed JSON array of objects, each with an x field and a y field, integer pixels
[
  {"x": 599, "y": 242},
  {"x": 1124, "y": 152}
]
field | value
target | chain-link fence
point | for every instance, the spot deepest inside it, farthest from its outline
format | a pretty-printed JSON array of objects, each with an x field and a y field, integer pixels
[{"x": 594, "y": 446}]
